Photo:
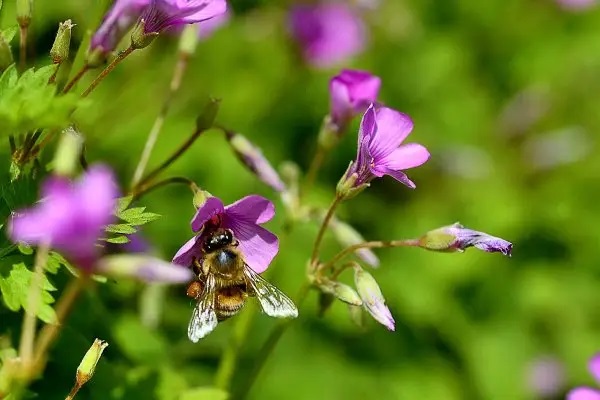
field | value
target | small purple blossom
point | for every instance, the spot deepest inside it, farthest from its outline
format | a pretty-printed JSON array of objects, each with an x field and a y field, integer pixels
[
  {"x": 372, "y": 298},
  {"x": 164, "y": 14},
  {"x": 351, "y": 92},
  {"x": 244, "y": 217},
  {"x": 328, "y": 33},
  {"x": 121, "y": 17},
  {"x": 380, "y": 148},
  {"x": 462, "y": 238},
  {"x": 71, "y": 215},
  {"x": 586, "y": 393}
]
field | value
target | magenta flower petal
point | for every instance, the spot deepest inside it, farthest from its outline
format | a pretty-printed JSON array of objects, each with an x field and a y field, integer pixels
[
  {"x": 407, "y": 156},
  {"x": 98, "y": 205},
  {"x": 191, "y": 250},
  {"x": 253, "y": 208},
  {"x": 583, "y": 393},
  {"x": 164, "y": 14},
  {"x": 258, "y": 245},
  {"x": 120, "y": 18},
  {"x": 209, "y": 26},
  {"x": 351, "y": 92},
  {"x": 392, "y": 128},
  {"x": 397, "y": 175},
  {"x": 328, "y": 33},
  {"x": 213, "y": 206},
  {"x": 594, "y": 367}
]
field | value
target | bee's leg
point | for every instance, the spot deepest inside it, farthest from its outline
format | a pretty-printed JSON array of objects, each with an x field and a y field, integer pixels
[{"x": 196, "y": 267}]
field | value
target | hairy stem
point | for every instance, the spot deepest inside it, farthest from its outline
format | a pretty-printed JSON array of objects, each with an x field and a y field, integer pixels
[
  {"x": 267, "y": 348},
  {"x": 73, "y": 391},
  {"x": 76, "y": 78},
  {"x": 120, "y": 57},
  {"x": 322, "y": 229},
  {"x": 50, "y": 332},
  {"x": 180, "y": 67},
  {"x": 145, "y": 189},
  {"x": 33, "y": 299},
  {"x": 52, "y": 78}
]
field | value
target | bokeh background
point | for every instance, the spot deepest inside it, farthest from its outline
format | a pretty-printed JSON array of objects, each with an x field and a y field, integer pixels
[{"x": 504, "y": 94}]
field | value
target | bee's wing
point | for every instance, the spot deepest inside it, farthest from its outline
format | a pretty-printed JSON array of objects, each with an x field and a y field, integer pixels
[
  {"x": 272, "y": 300},
  {"x": 204, "y": 318}
]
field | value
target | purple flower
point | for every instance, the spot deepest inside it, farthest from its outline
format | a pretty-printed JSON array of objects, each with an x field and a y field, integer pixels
[
  {"x": 144, "y": 268},
  {"x": 586, "y": 393},
  {"x": 163, "y": 14},
  {"x": 120, "y": 18},
  {"x": 372, "y": 298},
  {"x": 328, "y": 33},
  {"x": 351, "y": 92},
  {"x": 207, "y": 28},
  {"x": 456, "y": 237},
  {"x": 382, "y": 130},
  {"x": 71, "y": 216},
  {"x": 251, "y": 156},
  {"x": 244, "y": 217}
]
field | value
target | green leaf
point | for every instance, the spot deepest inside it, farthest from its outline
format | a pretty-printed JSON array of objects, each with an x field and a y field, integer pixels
[
  {"x": 122, "y": 204},
  {"x": 204, "y": 393},
  {"x": 132, "y": 218},
  {"x": 55, "y": 260},
  {"x": 124, "y": 229},
  {"x": 25, "y": 249},
  {"x": 9, "y": 33},
  {"x": 15, "y": 292},
  {"x": 118, "y": 240}
]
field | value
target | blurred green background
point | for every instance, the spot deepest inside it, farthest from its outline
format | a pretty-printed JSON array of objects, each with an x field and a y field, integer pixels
[{"x": 504, "y": 94}]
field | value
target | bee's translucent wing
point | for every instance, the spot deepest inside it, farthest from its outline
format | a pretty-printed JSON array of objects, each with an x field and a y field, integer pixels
[
  {"x": 204, "y": 318},
  {"x": 272, "y": 300}
]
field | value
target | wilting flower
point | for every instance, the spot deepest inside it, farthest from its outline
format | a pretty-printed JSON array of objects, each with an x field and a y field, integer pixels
[
  {"x": 121, "y": 17},
  {"x": 328, "y": 33},
  {"x": 457, "y": 238},
  {"x": 372, "y": 298},
  {"x": 251, "y": 156},
  {"x": 351, "y": 92},
  {"x": 244, "y": 217},
  {"x": 163, "y": 14},
  {"x": 586, "y": 393},
  {"x": 71, "y": 216},
  {"x": 380, "y": 152}
]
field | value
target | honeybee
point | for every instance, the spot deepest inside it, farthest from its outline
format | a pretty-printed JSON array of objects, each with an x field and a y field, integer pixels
[{"x": 224, "y": 283}]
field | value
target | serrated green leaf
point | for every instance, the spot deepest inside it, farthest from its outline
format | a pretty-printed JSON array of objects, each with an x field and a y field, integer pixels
[
  {"x": 122, "y": 204},
  {"x": 55, "y": 260},
  {"x": 204, "y": 393},
  {"x": 15, "y": 292},
  {"x": 131, "y": 213},
  {"x": 118, "y": 240},
  {"x": 124, "y": 229},
  {"x": 9, "y": 33},
  {"x": 25, "y": 249}
]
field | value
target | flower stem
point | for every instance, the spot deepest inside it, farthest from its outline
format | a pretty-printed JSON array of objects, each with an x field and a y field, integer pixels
[
  {"x": 180, "y": 67},
  {"x": 145, "y": 189},
  {"x": 76, "y": 78},
  {"x": 182, "y": 149},
  {"x": 229, "y": 358},
  {"x": 73, "y": 391},
  {"x": 120, "y": 57},
  {"x": 330, "y": 212},
  {"x": 369, "y": 245},
  {"x": 50, "y": 332},
  {"x": 52, "y": 78},
  {"x": 33, "y": 300},
  {"x": 23, "y": 33},
  {"x": 267, "y": 348}
]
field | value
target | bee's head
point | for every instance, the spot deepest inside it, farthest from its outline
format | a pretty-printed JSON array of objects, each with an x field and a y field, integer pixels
[{"x": 217, "y": 240}]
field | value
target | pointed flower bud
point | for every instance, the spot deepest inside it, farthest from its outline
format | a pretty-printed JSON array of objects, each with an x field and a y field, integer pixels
[
  {"x": 6, "y": 57},
  {"x": 67, "y": 153},
  {"x": 351, "y": 92},
  {"x": 346, "y": 187},
  {"x": 60, "y": 49},
  {"x": 206, "y": 119},
  {"x": 347, "y": 236},
  {"x": 251, "y": 156},
  {"x": 457, "y": 238},
  {"x": 87, "y": 367},
  {"x": 342, "y": 291},
  {"x": 372, "y": 298},
  {"x": 144, "y": 268},
  {"x": 24, "y": 8},
  {"x": 200, "y": 198}
]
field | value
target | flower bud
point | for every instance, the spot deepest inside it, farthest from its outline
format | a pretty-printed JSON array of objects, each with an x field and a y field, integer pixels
[
  {"x": 206, "y": 120},
  {"x": 347, "y": 236},
  {"x": 251, "y": 156},
  {"x": 346, "y": 187},
  {"x": 143, "y": 268},
  {"x": 139, "y": 37},
  {"x": 87, "y": 367},
  {"x": 60, "y": 49},
  {"x": 357, "y": 315},
  {"x": 67, "y": 153},
  {"x": 200, "y": 197},
  {"x": 24, "y": 8},
  {"x": 188, "y": 40},
  {"x": 372, "y": 298},
  {"x": 6, "y": 58},
  {"x": 457, "y": 238},
  {"x": 351, "y": 92},
  {"x": 343, "y": 292}
]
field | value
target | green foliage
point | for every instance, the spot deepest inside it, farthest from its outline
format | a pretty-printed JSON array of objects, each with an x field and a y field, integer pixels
[
  {"x": 204, "y": 393},
  {"x": 15, "y": 289},
  {"x": 132, "y": 217},
  {"x": 28, "y": 103}
]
